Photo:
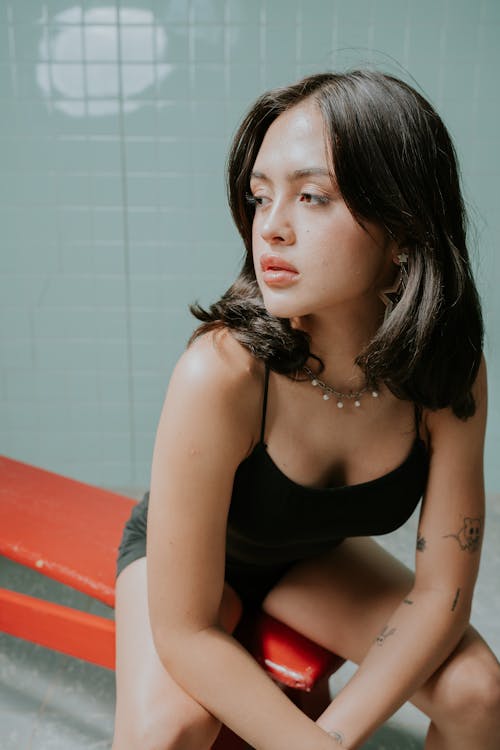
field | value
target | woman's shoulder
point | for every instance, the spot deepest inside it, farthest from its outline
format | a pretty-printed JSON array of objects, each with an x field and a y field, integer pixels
[
  {"x": 218, "y": 356},
  {"x": 217, "y": 374}
]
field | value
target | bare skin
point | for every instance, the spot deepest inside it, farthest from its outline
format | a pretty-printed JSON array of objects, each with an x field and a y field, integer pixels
[
  {"x": 344, "y": 598},
  {"x": 151, "y": 709},
  {"x": 339, "y": 601}
]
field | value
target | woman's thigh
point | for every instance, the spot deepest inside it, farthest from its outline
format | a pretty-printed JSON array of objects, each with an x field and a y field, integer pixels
[
  {"x": 152, "y": 710},
  {"x": 344, "y": 598}
]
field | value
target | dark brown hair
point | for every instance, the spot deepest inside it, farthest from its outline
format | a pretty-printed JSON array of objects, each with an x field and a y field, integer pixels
[{"x": 395, "y": 164}]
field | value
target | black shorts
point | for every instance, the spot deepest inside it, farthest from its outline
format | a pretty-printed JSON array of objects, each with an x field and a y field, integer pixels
[{"x": 252, "y": 583}]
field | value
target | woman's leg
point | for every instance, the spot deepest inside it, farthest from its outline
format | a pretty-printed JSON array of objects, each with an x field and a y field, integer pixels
[
  {"x": 152, "y": 711},
  {"x": 343, "y": 599}
]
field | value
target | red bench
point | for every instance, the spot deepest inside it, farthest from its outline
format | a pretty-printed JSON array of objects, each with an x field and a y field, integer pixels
[{"x": 70, "y": 531}]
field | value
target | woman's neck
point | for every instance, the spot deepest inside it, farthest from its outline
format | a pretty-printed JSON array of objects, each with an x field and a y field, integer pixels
[{"x": 337, "y": 338}]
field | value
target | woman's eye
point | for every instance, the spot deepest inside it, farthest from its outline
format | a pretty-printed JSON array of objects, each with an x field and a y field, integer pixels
[
  {"x": 313, "y": 199},
  {"x": 256, "y": 200}
]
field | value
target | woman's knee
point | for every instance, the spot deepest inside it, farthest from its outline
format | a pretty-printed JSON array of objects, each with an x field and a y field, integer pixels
[
  {"x": 167, "y": 728},
  {"x": 468, "y": 689}
]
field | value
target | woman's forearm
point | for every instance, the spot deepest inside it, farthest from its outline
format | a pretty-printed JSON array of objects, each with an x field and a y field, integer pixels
[
  {"x": 222, "y": 676},
  {"x": 419, "y": 636}
]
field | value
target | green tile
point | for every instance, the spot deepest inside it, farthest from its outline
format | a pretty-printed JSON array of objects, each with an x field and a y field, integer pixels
[
  {"x": 102, "y": 80},
  {"x": 245, "y": 85},
  {"x": 246, "y": 14},
  {"x": 7, "y": 87},
  {"x": 490, "y": 12},
  {"x": 105, "y": 189},
  {"x": 140, "y": 155},
  {"x": 357, "y": 13},
  {"x": 137, "y": 43},
  {"x": 42, "y": 224},
  {"x": 34, "y": 12},
  {"x": 173, "y": 119},
  {"x": 4, "y": 50},
  {"x": 176, "y": 47},
  {"x": 17, "y": 352},
  {"x": 68, "y": 15},
  {"x": 113, "y": 386},
  {"x": 151, "y": 386},
  {"x": 101, "y": 154},
  {"x": 101, "y": 43},
  {"x": 63, "y": 43},
  {"x": 281, "y": 46},
  {"x": 73, "y": 189},
  {"x": 15, "y": 322},
  {"x": 174, "y": 192},
  {"x": 144, "y": 225},
  {"x": 146, "y": 413},
  {"x": 171, "y": 12},
  {"x": 208, "y": 44},
  {"x": 243, "y": 44},
  {"x": 174, "y": 155},
  {"x": 143, "y": 258},
  {"x": 282, "y": 13},
  {"x": 144, "y": 350},
  {"x": 207, "y": 13},
  {"x": 209, "y": 155},
  {"x": 176, "y": 225},
  {"x": 74, "y": 225},
  {"x": 141, "y": 120},
  {"x": 138, "y": 15},
  {"x": 279, "y": 74},
  {"x": 209, "y": 82},
  {"x": 176, "y": 83},
  {"x": 208, "y": 119},
  {"x": 95, "y": 12},
  {"x": 142, "y": 190}
]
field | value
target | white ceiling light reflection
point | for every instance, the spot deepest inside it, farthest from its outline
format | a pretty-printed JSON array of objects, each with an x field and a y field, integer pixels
[{"x": 80, "y": 65}]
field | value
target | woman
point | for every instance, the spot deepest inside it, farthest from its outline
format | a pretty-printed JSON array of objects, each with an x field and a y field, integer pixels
[{"x": 265, "y": 489}]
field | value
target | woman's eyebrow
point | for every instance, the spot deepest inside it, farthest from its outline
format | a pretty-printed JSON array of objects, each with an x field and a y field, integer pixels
[{"x": 296, "y": 175}]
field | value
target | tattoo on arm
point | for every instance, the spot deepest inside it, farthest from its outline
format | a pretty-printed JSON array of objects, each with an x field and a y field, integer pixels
[
  {"x": 469, "y": 536},
  {"x": 455, "y": 600},
  {"x": 386, "y": 632},
  {"x": 421, "y": 543},
  {"x": 337, "y": 736},
  {"x": 408, "y": 601}
]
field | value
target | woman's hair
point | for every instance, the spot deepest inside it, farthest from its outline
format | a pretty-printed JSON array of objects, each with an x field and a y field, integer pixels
[{"x": 395, "y": 164}]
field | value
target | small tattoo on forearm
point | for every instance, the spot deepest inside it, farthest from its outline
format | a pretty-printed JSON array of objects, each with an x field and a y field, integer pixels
[
  {"x": 386, "y": 632},
  {"x": 337, "y": 736},
  {"x": 455, "y": 600},
  {"x": 469, "y": 535},
  {"x": 408, "y": 601},
  {"x": 421, "y": 543}
]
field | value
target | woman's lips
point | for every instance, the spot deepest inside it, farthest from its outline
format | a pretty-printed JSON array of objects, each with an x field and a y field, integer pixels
[{"x": 276, "y": 271}]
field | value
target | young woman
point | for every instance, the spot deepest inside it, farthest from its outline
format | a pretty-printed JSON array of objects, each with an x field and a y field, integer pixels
[{"x": 337, "y": 381}]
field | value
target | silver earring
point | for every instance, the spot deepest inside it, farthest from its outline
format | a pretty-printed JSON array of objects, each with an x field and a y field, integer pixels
[{"x": 392, "y": 294}]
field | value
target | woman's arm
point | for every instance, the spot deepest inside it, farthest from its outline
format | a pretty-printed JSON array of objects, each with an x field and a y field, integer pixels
[
  {"x": 430, "y": 621},
  {"x": 208, "y": 424}
]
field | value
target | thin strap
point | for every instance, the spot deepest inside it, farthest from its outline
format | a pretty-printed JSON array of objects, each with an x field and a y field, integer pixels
[{"x": 264, "y": 405}]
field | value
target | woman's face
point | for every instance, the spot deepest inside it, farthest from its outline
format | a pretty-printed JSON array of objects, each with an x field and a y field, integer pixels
[{"x": 310, "y": 254}]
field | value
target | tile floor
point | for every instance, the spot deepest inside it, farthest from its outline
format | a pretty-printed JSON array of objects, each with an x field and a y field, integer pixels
[{"x": 49, "y": 701}]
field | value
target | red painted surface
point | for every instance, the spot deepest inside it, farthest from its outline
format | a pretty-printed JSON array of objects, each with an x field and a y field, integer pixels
[
  {"x": 65, "y": 529},
  {"x": 54, "y": 626},
  {"x": 70, "y": 531}
]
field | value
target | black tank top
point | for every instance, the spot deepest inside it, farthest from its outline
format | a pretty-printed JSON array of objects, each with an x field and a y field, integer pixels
[{"x": 274, "y": 521}]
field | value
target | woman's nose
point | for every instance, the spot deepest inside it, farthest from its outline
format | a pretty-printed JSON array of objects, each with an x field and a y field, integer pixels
[{"x": 276, "y": 228}]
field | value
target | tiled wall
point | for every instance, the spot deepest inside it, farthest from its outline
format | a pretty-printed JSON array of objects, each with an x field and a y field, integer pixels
[{"x": 114, "y": 123}]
